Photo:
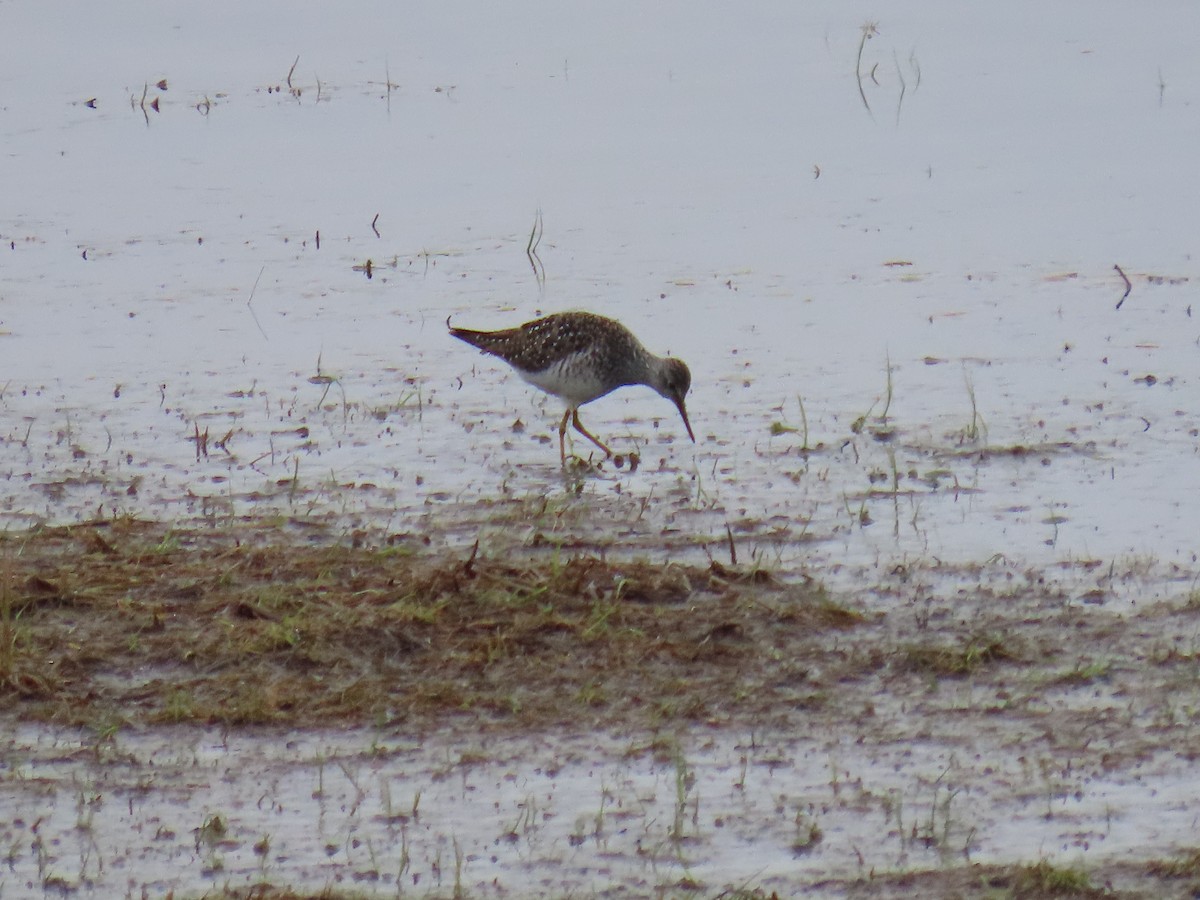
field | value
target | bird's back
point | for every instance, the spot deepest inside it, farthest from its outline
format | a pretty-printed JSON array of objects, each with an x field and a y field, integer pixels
[{"x": 556, "y": 340}]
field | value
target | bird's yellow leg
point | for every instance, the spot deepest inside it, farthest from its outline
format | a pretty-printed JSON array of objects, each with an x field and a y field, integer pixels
[
  {"x": 587, "y": 434},
  {"x": 562, "y": 435}
]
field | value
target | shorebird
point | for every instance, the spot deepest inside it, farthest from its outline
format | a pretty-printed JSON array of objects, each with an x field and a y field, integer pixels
[{"x": 580, "y": 357}]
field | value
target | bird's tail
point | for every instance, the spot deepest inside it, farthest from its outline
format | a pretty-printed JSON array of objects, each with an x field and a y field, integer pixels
[
  {"x": 482, "y": 339},
  {"x": 474, "y": 338}
]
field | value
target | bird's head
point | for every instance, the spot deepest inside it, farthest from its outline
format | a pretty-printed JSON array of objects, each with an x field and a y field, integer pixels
[{"x": 674, "y": 382}]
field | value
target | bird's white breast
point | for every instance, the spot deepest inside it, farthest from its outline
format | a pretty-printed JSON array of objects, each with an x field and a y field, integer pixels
[{"x": 570, "y": 378}]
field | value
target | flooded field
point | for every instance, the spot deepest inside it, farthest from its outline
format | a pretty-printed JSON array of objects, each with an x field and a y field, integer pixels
[
  {"x": 479, "y": 727},
  {"x": 934, "y": 276},
  {"x": 365, "y": 817}
]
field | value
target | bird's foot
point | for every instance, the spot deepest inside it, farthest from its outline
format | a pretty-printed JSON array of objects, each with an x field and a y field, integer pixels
[
  {"x": 633, "y": 458},
  {"x": 574, "y": 464}
]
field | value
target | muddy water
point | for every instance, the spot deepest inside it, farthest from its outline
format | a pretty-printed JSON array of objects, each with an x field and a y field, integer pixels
[
  {"x": 192, "y": 810},
  {"x": 200, "y": 338},
  {"x": 895, "y": 289}
]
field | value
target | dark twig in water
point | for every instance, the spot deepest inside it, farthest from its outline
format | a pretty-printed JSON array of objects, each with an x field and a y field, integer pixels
[
  {"x": 732, "y": 547},
  {"x": 535, "y": 261},
  {"x": 326, "y": 380},
  {"x": 250, "y": 302},
  {"x": 1128, "y": 286},
  {"x": 869, "y": 30},
  {"x": 373, "y": 228},
  {"x": 535, "y": 233},
  {"x": 803, "y": 423},
  {"x": 201, "y": 439},
  {"x": 289, "y": 75},
  {"x": 388, "y": 85}
]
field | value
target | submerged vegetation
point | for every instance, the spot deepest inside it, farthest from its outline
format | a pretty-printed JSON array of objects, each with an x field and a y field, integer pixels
[
  {"x": 130, "y": 622},
  {"x": 126, "y": 623}
]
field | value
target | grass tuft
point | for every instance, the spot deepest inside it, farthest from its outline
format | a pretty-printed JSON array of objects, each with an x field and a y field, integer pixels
[
  {"x": 1046, "y": 880},
  {"x": 955, "y": 660},
  {"x": 129, "y": 622},
  {"x": 1186, "y": 865}
]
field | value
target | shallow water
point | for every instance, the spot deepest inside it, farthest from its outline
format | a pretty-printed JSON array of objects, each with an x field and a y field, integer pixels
[
  {"x": 494, "y": 815},
  {"x": 929, "y": 266},
  {"x": 945, "y": 256}
]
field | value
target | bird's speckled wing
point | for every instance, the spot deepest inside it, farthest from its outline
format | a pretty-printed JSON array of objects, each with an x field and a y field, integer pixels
[{"x": 544, "y": 343}]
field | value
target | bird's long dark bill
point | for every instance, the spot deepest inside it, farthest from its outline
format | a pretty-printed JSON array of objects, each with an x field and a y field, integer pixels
[{"x": 687, "y": 424}]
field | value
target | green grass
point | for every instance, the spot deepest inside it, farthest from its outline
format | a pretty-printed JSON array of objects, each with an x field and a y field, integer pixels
[
  {"x": 133, "y": 623},
  {"x": 957, "y": 659},
  {"x": 1186, "y": 865},
  {"x": 1043, "y": 879}
]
